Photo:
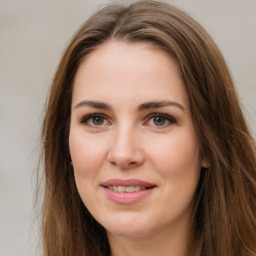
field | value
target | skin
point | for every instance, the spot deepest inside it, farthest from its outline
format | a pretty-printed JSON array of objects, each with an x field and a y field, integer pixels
[{"x": 128, "y": 143}]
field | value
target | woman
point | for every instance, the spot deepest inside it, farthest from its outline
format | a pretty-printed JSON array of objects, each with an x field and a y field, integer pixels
[{"x": 146, "y": 149}]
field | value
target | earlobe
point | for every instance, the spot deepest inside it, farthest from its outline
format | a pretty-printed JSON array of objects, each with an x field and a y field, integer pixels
[{"x": 205, "y": 162}]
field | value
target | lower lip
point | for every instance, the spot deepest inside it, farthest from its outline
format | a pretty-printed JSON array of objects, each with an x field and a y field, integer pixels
[{"x": 127, "y": 198}]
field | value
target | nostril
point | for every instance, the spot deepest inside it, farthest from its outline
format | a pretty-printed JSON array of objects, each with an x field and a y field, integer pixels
[
  {"x": 132, "y": 163},
  {"x": 113, "y": 163}
]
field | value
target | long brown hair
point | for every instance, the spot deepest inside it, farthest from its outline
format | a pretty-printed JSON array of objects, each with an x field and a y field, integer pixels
[{"x": 224, "y": 219}]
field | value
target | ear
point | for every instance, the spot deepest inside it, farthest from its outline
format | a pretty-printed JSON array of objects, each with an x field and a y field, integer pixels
[{"x": 205, "y": 163}]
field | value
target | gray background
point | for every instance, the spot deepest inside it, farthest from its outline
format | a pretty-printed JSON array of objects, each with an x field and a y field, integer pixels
[{"x": 33, "y": 35}]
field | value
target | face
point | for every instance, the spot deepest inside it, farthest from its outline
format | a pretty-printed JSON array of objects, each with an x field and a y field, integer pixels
[{"x": 133, "y": 145}]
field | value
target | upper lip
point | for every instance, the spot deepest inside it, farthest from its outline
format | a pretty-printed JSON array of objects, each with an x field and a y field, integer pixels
[{"x": 127, "y": 183}]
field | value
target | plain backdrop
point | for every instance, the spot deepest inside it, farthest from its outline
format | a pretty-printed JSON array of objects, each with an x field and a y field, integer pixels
[{"x": 33, "y": 34}]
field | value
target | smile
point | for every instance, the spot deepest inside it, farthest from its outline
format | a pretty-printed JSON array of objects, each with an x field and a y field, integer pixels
[
  {"x": 123, "y": 189},
  {"x": 128, "y": 191}
]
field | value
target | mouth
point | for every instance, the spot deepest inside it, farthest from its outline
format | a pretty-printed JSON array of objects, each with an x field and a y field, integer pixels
[
  {"x": 127, "y": 189},
  {"x": 128, "y": 186}
]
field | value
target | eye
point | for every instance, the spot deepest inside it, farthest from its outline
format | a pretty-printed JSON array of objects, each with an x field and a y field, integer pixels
[
  {"x": 95, "y": 119},
  {"x": 98, "y": 120},
  {"x": 160, "y": 120}
]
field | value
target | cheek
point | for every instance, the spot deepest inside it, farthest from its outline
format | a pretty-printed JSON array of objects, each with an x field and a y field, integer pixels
[
  {"x": 87, "y": 157},
  {"x": 87, "y": 154},
  {"x": 177, "y": 154},
  {"x": 178, "y": 164}
]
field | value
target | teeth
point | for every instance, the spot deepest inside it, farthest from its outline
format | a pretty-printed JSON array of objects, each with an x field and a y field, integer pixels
[
  {"x": 121, "y": 189},
  {"x": 129, "y": 189}
]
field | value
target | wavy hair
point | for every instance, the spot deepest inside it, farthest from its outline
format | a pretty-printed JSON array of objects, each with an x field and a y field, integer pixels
[{"x": 224, "y": 216}]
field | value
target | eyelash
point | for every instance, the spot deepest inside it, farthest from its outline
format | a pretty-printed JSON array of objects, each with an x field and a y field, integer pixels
[
  {"x": 166, "y": 117},
  {"x": 86, "y": 118},
  {"x": 171, "y": 120}
]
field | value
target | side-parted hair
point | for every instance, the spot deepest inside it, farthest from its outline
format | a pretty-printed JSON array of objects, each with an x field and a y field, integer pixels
[{"x": 224, "y": 217}]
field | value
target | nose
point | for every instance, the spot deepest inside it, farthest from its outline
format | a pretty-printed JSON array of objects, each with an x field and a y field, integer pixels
[{"x": 125, "y": 150}]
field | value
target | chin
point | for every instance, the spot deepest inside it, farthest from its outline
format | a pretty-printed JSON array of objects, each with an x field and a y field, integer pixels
[
  {"x": 127, "y": 226},
  {"x": 128, "y": 231}
]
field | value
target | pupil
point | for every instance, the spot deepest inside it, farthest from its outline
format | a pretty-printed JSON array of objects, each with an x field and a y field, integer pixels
[
  {"x": 98, "y": 120},
  {"x": 159, "y": 121}
]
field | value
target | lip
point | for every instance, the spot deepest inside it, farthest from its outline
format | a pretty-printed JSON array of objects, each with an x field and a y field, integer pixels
[
  {"x": 127, "y": 183},
  {"x": 127, "y": 197}
]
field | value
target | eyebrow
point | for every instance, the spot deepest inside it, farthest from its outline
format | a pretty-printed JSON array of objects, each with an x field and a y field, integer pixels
[
  {"x": 93, "y": 104},
  {"x": 142, "y": 107},
  {"x": 160, "y": 104}
]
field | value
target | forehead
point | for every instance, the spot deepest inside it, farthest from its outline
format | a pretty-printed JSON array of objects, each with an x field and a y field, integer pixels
[{"x": 129, "y": 72}]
